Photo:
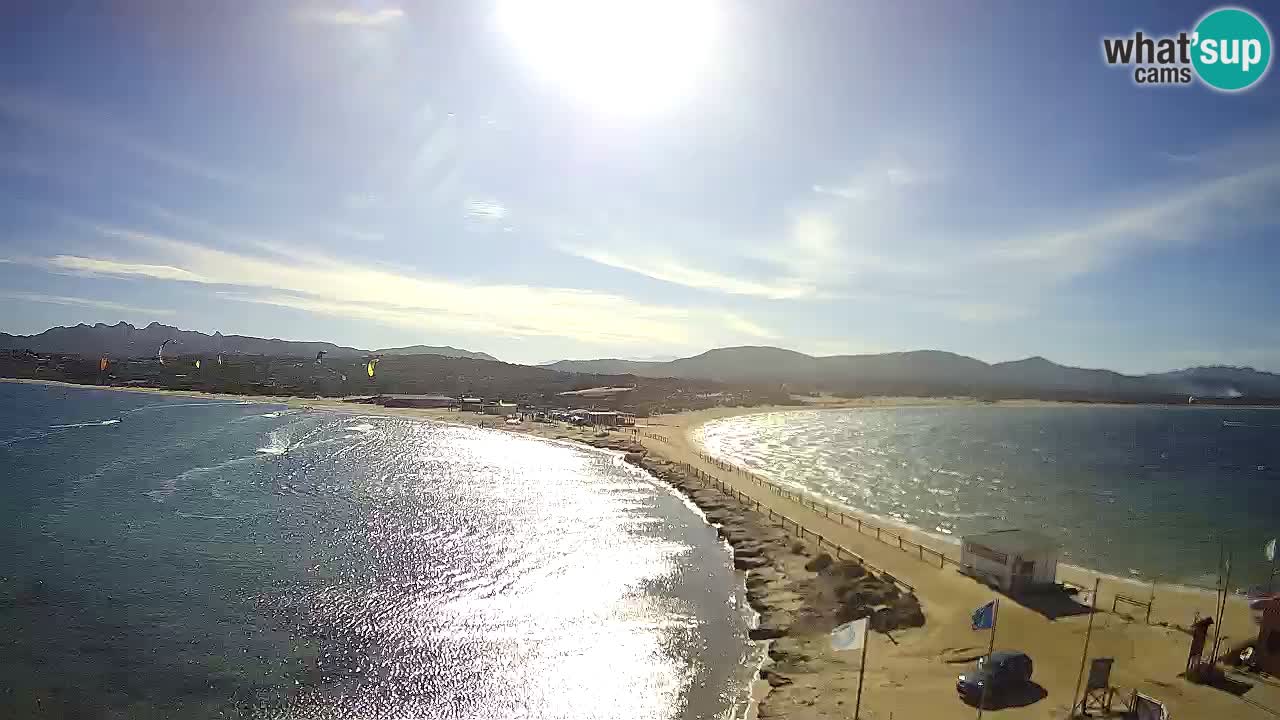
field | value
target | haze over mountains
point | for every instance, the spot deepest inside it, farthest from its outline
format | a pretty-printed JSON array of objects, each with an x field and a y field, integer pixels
[
  {"x": 125, "y": 340},
  {"x": 934, "y": 371},
  {"x": 921, "y": 372}
]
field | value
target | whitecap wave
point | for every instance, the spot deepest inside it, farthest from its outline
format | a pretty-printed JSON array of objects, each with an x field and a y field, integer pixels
[{"x": 96, "y": 423}]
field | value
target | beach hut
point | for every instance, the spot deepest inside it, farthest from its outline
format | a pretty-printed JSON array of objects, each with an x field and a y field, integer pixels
[{"x": 1012, "y": 560}]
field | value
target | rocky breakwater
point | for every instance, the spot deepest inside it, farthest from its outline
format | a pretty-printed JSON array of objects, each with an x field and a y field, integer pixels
[{"x": 800, "y": 592}]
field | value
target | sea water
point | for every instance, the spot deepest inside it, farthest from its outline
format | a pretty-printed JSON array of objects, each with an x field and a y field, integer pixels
[
  {"x": 177, "y": 557},
  {"x": 1153, "y": 493}
]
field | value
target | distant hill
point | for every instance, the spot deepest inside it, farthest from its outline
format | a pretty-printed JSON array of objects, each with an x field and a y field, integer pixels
[
  {"x": 444, "y": 351},
  {"x": 919, "y": 372},
  {"x": 124, "y": 340},
  {"x": 933, "y": 372}
]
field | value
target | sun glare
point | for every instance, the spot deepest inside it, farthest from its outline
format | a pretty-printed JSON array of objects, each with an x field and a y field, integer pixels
[{"x": 615, "y": 56}]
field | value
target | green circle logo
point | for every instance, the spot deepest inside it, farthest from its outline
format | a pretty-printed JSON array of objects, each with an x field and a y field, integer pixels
[{"x": 1232, "y": 49}]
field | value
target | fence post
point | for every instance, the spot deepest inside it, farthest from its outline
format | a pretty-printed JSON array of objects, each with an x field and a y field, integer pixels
[
  {"x": 877, "y": 532},
  {"x": 899, "y": 542}
]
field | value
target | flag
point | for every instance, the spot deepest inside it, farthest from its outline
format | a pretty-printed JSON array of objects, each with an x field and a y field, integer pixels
[
  {"x": 1270, "y": 550},
  {"x": 984, "y": 618},
  {"x": 849, "y": 636}
]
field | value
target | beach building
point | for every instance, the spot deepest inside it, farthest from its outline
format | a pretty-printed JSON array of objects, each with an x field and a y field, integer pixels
[
  {"x": 610, "y": 418},
  {"x": 500, "y": 407},
  {"x": 472, "y": 404},
  {"x": 416, "y": 401},
  {"x": 1012, "y": 560}
]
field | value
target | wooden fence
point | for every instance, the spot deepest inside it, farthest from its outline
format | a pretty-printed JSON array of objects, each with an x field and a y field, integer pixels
[
  {"x": 791, "y": 525},
  {"x": 888, "y": 536},
  {"x": 1145, "y": 604}
]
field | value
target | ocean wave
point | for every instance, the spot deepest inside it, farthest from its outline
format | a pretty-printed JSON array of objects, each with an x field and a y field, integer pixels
[
  {"x": 96, "y": 423},
  {"x": 170, "y": 486},
  {"x": 169, "y": 406}
]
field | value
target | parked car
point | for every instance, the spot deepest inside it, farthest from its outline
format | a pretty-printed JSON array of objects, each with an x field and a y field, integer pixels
[{"x": 999, "y": 673}]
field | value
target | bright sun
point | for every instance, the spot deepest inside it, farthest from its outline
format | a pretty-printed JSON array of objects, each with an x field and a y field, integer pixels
[{"x": 617, "y": 56}]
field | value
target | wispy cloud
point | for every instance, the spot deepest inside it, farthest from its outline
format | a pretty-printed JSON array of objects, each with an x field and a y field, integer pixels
[
  {"x": 343, "y": 288},
  {"x": 94, "y": 127},
  {"x": 848, "y": 192},
  {"x": 674, "y": 271},
  {"x": 84, "y": 302},
  {"x": 1195, "y": 213},
  {"x": 114, "y": 268},
  {"x": 349, "y": 17}
]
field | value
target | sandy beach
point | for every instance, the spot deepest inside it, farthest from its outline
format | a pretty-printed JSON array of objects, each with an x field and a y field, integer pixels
[{"x": 911, "y": 672}]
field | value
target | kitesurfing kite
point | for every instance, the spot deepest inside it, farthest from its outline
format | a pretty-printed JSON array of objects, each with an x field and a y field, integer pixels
[
  {"x": 102, "y": 364},
  {"x": 372, "y": 364},
  {"x": 160, "y": 352},
  {"x": 197, "y": 364},
  {"x": 219, "y": 358},
  {"x": 320, "y": 356}
]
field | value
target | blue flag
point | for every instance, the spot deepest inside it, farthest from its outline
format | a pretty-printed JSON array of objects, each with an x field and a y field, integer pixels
[{"x": 984, "y": 618}]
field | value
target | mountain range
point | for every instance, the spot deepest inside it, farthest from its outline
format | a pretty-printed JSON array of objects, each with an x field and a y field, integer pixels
[
  {"x": 124, "y": 340},
  {"x": 920, "y": 372},
  {"x": 936, "y": 372}
]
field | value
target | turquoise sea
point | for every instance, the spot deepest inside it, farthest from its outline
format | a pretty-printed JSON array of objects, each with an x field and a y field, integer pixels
[{"x": 166, "y": 557}]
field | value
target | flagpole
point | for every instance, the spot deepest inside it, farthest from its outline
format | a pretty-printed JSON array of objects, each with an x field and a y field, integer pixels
[
  {"x": 862, "y": 669},
  {"x": 1093, "y": 605},
  {"x": 991, "y": 646}
]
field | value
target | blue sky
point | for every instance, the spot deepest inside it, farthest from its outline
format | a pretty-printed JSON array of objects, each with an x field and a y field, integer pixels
[{"x": 620, "y": 179}]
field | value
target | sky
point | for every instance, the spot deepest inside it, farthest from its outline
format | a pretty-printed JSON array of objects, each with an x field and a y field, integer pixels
[{"x": 613, "y": 178}]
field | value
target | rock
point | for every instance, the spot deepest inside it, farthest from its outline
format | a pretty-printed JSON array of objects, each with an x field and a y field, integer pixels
[
  {"x": 766, "y": 632},
  {"x": 774, "y": 679},
  {"x": 748, "y": 561},
  {"x": 851, "y": 612},
  {"x": 818, "y": 564},
  {"x": 850, "y": 569},
  {"x": 798, "y": 548}
]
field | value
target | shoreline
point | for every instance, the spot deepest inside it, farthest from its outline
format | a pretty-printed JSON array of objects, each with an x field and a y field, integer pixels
[
  {"x": 691, "y": 423},
  {"x": 688, "y": 422},
  {"x": 910, "y": 672}
]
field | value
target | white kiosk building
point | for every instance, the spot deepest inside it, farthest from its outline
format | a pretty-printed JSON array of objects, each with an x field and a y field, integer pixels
[{"x": 1012, "y": 560}]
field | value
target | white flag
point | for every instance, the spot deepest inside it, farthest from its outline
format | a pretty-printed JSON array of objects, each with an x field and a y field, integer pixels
[
  {"x": 1270, "y": 550},
  {"x": 849, "y": 636}
]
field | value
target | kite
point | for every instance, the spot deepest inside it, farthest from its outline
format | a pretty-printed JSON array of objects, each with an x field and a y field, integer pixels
[
  {"x": 102, "y": 364},
  {"x": 219, "y": 359},
  {"x": 160, "y": 351},
  {"x": 320, "y": 356},
  {"x": 197, "y": 364},
  {"x": 372, "y": 364}
]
